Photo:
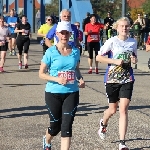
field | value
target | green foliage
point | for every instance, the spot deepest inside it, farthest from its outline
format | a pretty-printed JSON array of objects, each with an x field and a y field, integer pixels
[
  {"x": 146, "y": 7},
  {"x": 52, "y": 8},
  {"x": 135, "y": 11},
  {"x": 103, "y": 6}
]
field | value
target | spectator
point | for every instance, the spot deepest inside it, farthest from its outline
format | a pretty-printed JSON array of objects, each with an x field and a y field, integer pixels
[
  {"x": 38, "y": 16},
  {"x": 146, "y": 28},
  {"x": 77, "y": 24},
  {"x": 108, "y": 20}
]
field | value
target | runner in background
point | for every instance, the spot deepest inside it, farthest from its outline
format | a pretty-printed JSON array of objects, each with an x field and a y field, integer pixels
[
  {"x": 12, "y": 23},
  {"x": 4, "y": 38},
  {"x": 92, "y": 30},
  {"x": 65, "y": 15},
  {"x": 119, "y": 79},
  {"x": 44, "y": 30},
  {"x": 77, "y": 24},
  {"x": 62, "y": 89},
  {"x": 23, "y": 40}
]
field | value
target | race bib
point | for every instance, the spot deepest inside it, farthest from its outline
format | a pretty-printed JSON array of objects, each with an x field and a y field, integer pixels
[
  {"x": 72, "y": 37},
  {"x": 12, "y": 24},
  {"x": 69, "y": 75},
  {"x": 94, "y": 37},
  {"x": 125, "y": 57},
  {"x": 26, "y": 32}
]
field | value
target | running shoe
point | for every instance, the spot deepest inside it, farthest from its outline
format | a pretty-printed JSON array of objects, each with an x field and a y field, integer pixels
[
  {"x": 123, "y": 147},
  {"x": 47, "y": 148},
  {"x": 1, "y": 69},
  {"x": 44, "y": 144},
  {"x": 20, "y": 65},
  {"x": 26, "y": 66},
  {"x": 14, "y": 53},
  {"x": 90, "y": 71},
  {"x": 102, "y": 130},
  {"x": 96, "y": 71},
  {"x": 10, "y": 53}
]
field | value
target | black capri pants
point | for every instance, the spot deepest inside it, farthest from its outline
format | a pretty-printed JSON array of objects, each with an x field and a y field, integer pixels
[
  {"x": 62, "y": 109},
  {"x": 23, "y": 42},
  {"x": 93, "y": 46}
]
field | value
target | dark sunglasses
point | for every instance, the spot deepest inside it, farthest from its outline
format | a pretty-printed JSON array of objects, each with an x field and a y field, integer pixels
[
  {"x": 49, "y": 19},
  {"x": 77, "y": 25}
]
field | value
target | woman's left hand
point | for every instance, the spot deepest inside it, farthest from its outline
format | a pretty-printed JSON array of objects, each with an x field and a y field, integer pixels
[
  {"x": 81, "y": 83},
  {"x": 134, "y": 60}
]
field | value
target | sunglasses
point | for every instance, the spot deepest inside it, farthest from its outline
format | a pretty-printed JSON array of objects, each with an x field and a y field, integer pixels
[
  {"x": 49, "y": 19},
  {"x": 67, "y": 16},
  {"x": 77, "y": 25}
]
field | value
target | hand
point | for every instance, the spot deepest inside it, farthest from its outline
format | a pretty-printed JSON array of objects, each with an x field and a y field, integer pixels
[
  {"x": 118, "y": 62},
  {"x": 81, "y": 83},
  {"x": 23, "y": 30},
  {"x": 2, "y": 43},
  {"x": 61, "y": 80},
  {"x": 90, "y": 32},
  {"x": 133, "y": 59}
]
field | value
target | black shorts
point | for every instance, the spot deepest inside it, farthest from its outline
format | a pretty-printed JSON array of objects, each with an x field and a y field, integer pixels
[
  {"x": 115, "y": 91},
  {"x": 4, "y": 47},
  {"x": 62, "y": 109},
  {"x": 93, "y": 46},
  {"x": 14, "y": 35}
]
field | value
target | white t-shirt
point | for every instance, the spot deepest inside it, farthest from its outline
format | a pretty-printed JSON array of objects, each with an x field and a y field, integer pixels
[
  {"x": 38, "y": 15},
  {"x": 119, "y": 49}
]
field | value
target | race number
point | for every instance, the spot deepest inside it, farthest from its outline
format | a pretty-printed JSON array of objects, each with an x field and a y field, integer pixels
[
  {"x": 71, "y": 39},
  {"x": 69, "y": 75},
  {"x": 94, "y": 37}
]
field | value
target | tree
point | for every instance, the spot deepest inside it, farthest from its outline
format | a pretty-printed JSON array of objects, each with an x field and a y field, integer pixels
[
  {"x": 103, "y": 6},
  {"x": 146, "y": 7},
  {"x": 135, "y": 11},
  {"x": 52, "y": 8}
]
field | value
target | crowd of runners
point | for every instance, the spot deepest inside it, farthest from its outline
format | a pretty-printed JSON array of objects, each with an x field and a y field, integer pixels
[{"x": 62, "y": 47}]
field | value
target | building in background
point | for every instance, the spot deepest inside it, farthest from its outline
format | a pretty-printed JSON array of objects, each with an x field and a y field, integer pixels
[{"x": 21, "y": 6}]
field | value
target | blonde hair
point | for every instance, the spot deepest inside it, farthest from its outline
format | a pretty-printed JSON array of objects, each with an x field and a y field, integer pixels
[{"x": 115, "y": 24}]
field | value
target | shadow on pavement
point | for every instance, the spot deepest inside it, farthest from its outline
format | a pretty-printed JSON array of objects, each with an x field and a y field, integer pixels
[
  {"x": 23, "y": 109},
  {"x": 138, "y": 107},
  {"x": 24, "y": 114},
  {"x": 17, "y": 85}
]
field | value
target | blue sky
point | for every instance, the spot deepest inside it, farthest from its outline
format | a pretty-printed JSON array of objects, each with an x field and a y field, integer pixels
[{"x": 10, "y": 1}]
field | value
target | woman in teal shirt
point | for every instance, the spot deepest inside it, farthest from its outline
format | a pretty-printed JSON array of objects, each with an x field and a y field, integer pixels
[{"x": 62, "y": 88}]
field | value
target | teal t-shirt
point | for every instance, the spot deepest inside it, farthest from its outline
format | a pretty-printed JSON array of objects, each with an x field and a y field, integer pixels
[{"x": 63, "y": 66}]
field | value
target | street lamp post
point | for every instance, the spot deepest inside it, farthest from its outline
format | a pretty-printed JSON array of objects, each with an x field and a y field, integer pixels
[
  {"x": 1, "y": 7},
  {"x": 124, "y": 8}
]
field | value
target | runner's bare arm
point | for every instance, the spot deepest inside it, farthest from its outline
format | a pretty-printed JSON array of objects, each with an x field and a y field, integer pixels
[
  {"x": 106, "y": 60},
  {"x": 48, "y": 42},
  {"x": 45, "y": 76},
  {"x": 78, "y": 73}
]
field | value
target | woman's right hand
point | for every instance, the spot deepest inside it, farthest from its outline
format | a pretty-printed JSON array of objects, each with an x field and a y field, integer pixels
[
  {"x": 62, "y": 80},
  {"x": 118, "y": 62},
  {"x": 23, "y": 30}
]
